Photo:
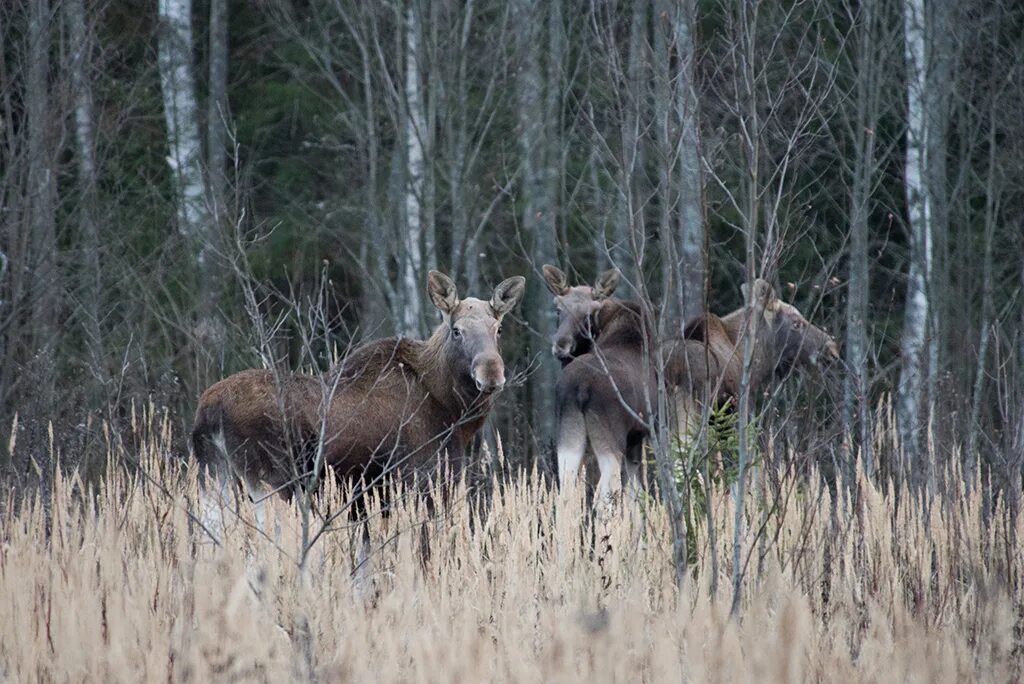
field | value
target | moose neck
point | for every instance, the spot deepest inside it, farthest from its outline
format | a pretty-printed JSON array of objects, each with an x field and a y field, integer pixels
[
  {"x": 763, "y": 357},
  {"x": 621, "y": 323}
]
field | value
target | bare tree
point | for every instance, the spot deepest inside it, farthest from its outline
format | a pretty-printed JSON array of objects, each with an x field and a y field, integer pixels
[
  {"x": 536, "y": 126},
  {"x": 217, "y": 110},
  {"x": 692, "y": 251},
  {"x": 81, "y": 44},
  {"x": 869, "y": 42}
]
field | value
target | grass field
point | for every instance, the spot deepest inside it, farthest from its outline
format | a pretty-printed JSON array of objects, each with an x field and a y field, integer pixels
[{"x": 122, "y": 586}]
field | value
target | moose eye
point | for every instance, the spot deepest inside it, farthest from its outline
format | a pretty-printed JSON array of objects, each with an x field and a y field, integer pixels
[
  {"x": 456, "y": 332},
  {"x": 497, "y": 333}
]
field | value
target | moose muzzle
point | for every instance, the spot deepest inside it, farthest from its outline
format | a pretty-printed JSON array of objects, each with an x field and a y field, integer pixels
[{"x": 488, "y": 373}]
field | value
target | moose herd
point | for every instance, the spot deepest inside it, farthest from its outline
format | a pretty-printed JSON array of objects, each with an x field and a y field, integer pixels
[{"x": 399, "y": 405}]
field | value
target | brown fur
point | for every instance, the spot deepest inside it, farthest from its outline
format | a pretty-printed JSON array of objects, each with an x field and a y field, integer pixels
[
  {"x": 393, "y": 404},
  {"x": 266, "y": 425},
  {"x": 603, "y": 395}
]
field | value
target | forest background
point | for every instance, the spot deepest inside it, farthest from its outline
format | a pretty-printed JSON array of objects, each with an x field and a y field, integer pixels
[{"x": 191, "y": 189}]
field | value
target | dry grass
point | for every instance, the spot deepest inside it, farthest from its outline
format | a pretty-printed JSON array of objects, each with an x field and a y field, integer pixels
[{"x": 122, "y": 588}]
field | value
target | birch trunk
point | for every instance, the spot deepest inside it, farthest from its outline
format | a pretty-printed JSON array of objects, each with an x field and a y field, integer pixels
[
  {"x": 181, "y": 112},
  {"x": 938, "y": 72},
  {"x": 414, "y": 128},
  {"x": 915, "y": 323}
]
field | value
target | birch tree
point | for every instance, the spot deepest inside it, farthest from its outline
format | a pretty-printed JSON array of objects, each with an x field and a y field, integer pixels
[
  {"x": 414, "y": 131},
  {"x": 913, "y": 350},
  {"x": 181, "y": 114}
]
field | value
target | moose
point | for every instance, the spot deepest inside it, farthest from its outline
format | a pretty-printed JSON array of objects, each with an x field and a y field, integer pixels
[
  {"x": 393, "y": 405},
  {"x": 607, "y": 382}
]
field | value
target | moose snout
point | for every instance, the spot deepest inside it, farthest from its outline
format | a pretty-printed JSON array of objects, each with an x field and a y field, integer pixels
[
  {"x": 831, "y": 353},
  {"x": 562, "y": 348},
  {"x": 488, "y": 373}
]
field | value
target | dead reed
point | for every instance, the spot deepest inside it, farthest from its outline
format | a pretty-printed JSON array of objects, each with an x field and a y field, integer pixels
[{"x": 120, "y": 585}]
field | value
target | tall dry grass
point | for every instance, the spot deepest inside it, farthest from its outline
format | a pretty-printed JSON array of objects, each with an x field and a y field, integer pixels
[{"x": 120, "y": 585}]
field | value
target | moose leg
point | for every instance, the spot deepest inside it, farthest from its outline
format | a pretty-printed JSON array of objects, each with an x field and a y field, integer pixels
[
  {"x": 572, "y": 442},
  {"x": 634, "y": 461},
  {"x": 362, "y": 567},
  {"x": 214, "y": 495},
  {"x": 609, "y": 449},
  {"x": 259, "y": 494}
]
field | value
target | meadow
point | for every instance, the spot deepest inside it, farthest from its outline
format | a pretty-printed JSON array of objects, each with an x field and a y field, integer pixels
[{"x": 859, "y": 583}]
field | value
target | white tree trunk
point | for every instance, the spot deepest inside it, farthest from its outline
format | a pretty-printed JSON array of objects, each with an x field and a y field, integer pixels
[
  {"x": 915, "y": 323},
  {"x": 414, "y": 129},
  {"x": 181, "y": 112}
]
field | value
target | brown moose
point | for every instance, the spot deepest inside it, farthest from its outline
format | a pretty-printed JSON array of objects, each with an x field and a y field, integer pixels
[
  {"x": 603, "y": 393},
  {"x": 393, "y": 405}
]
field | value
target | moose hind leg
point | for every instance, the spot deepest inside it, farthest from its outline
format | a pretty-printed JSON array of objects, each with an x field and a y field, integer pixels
[
  {"x": 610, "y": 450},
  {"x": 634, "y": 474},
  {"x": 572, "y": 442}
]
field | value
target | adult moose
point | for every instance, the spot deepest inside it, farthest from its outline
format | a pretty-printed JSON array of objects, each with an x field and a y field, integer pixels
[
  {"x": 393, "y": 405},
  {"x": 602, "y": 400}
]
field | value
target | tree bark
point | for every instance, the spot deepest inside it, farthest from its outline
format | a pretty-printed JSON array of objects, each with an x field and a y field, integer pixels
[
  {"x": 938, "y": 72},
  {"x": 628, "y": 246},
  {"x": 44, "y": 278},
  {"x": 81, "y": 46},
  {"x": 181, "y": 112},
  {"x": 414, "y": 129},
  {"x": 913, "y": 346},
  {"x": 751, "y": 147},
  {"x": 218, "y": 112},
  {"x": 856, "y": 409},
  {"x": 692, "y": 266},
  {"x": 538, "y": 146}
]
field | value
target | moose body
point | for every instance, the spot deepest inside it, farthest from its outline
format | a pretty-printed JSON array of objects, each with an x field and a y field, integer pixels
[
  {"x": 393, "y": 405},
  {"x": 603, "y": 394}
]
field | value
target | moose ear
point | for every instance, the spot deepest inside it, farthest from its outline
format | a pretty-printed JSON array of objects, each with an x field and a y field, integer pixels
[
  {"x": 555, "y": 280},
  {"x": 507, "y": 295},
  {"x": 606, "y": 283},
  {"x": 442, "y": 292}
]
